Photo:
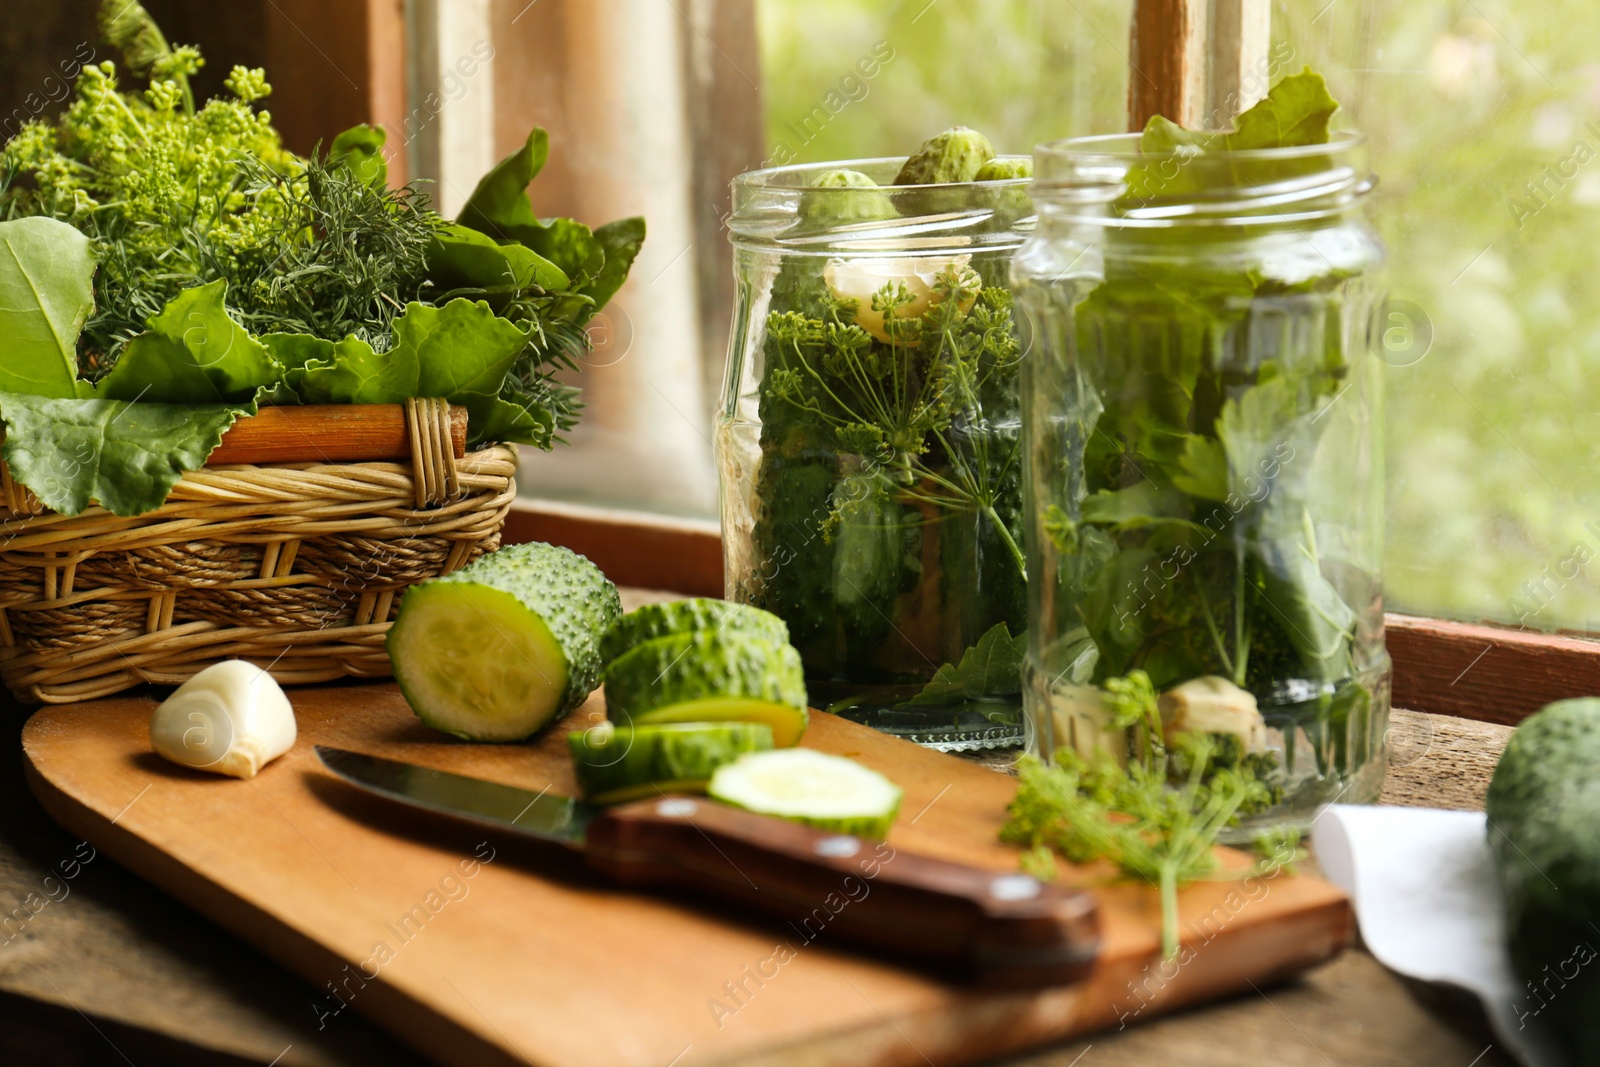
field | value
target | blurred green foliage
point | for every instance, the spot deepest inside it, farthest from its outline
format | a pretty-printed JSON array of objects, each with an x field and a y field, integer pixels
[{"x": 1494, "y": 427}]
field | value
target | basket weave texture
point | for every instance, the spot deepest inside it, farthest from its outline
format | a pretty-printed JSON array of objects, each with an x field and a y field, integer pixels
[{"x": 295, "y": 567}]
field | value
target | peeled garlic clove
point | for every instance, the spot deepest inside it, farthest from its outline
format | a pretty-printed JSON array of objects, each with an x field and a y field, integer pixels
[
  {"x": 861, "y": 279},
  {"x": 1213, "y": 705},
  {"x": 232, "y": 718}
]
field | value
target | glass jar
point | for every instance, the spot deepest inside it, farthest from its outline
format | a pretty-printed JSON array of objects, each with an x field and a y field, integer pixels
[
  {"x": 869, "y": 443},
  {"x": 1203, "y": 413}
]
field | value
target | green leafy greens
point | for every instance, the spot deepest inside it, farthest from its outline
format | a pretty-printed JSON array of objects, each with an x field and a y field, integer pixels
[
  {"x": 990, "y": 669},
  {"x": 156, "y": 254},
  {"x": 1200, "y": 392}
]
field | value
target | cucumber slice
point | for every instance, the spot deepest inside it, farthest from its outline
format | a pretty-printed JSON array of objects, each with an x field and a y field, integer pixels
[
  {"x": 503, "y": 646},
  {"x": 619, "y": 764},
  {"x": 689, "y": 616},
  {"x": 810, "y": 787},
  {"x": 710, "y": 677}
]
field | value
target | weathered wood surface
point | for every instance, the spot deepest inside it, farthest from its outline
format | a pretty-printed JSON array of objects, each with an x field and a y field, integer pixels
[
  {"x": 152, "y": 975},
  {"x": 533, "y": 955}
]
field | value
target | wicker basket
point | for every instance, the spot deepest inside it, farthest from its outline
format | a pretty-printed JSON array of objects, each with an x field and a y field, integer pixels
[{"x": 293, "y": 566}]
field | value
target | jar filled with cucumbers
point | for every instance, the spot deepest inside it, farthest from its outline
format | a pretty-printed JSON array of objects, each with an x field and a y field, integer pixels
[
  {"x": 1203, "y": 432},
  {"x": 869, "y": 438}
]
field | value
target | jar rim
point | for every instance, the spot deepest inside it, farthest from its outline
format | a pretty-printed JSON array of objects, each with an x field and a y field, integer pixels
[
  {"x": 1107, "y": 146},
  {"x": 788, "y": 177},
  {"x": 1092, "y": 179}
]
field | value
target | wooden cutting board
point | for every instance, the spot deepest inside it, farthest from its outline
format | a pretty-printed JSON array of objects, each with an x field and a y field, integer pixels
[{"x": 493, "y": 952}]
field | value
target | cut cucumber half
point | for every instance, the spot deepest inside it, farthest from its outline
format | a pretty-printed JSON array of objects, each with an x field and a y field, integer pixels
[
  {"x": 810, "y": 787},
  {"x": 617, "y": 764},
  {"x": 710, "y": 677},
  {"x": 689, "y": 616},
  {"x": 505, "y": 645}
]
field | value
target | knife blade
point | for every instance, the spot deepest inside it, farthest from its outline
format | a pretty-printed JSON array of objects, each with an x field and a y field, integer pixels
[{"x": 992, "y": 927}]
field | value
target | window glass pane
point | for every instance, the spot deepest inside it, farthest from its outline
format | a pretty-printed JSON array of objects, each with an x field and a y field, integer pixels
[
  {"x": 1021, "y": 71},
  {"x": 1485, "y": 123}
]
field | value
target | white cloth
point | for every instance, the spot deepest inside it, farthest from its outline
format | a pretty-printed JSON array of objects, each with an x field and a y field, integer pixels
[{"x": 1429, "y": 907}]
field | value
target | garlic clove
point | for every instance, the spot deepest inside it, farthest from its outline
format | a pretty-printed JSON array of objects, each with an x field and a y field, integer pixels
[
  {"x": 232, "y": 718},
  {"x": 1213, "y": 705},
  {"x": 861, "y": 279}
]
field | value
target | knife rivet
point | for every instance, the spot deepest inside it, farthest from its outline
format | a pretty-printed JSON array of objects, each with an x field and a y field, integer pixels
[
  {"x": 673, "y": 809},
  {"x": 839, "y": 847},
  {"x": 1014, "y": 887}
]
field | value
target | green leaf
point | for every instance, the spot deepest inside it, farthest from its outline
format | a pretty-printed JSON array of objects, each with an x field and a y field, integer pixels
[
  {"x": 570, "y": 245},
  {"x": 460, "y": 351},
  {"x": 463, "y": 258},
  {"x": 1253, "y": 426},
  {"x": 1319, "y": 624},
  {"x": 1202, "y": 469},
  {"x": 992, "y": 668},
  {"x": 361, "y": 149},
  {"x": 296, "y": 350},
  {"x": 520, "y": 418},
  {"x": 499, "y": 206},
  {"x": 621, "y": 241},
  {"x": 1296, "y": 112},
  {"x": 1135, "y": 507},
  {"x": 46, "y": 294},
  {"x": 194, "y": 354},
  {"x": 352, "y": 373},
  {"x": 1161, "y": 135},
  {"x": 125, "y": 456}
]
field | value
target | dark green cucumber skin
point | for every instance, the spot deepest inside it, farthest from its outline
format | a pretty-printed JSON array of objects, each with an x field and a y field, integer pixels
[
  {"x": 570, "y": 594},
  {"x": 1543, "y": 808},
  {"x": 681, "y": 753},
  {"x": 704, "y": 665},
  {"x": 688, "y": 616}
]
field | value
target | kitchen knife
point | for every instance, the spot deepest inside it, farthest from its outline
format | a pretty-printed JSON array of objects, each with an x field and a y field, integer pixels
[{"x": 997, "y": 928}]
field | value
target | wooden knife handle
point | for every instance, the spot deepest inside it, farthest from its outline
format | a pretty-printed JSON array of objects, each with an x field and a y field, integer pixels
[{"x": 993, "y": 927}]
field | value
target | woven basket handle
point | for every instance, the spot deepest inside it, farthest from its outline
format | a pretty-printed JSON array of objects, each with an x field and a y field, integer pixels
[{"x": 433, "y": 461}]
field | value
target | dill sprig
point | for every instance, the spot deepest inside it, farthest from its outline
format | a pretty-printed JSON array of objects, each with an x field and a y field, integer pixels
[
  {"x": 1150, "y": 826},
  {"x": 341, "y": 258},
  {"x": 931, "y": 391}
]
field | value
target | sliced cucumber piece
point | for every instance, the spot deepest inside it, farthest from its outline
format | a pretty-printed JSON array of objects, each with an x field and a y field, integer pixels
[
  {"x": 689, "y": 616},
  {"x": 617, "y": 764},
  {"x": 710, "y": 676},
  {"x": 806, "y": 786},
  {"x": 503, "y": 646}
]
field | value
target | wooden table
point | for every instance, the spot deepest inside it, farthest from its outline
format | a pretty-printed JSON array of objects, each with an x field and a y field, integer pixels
[{"x": 111, "y": 971}]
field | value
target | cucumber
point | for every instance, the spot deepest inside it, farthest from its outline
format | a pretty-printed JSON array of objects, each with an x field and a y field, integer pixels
[
  {"x": 710, "y": 676},
  {"x": 810, "y": 787},
  {"x": 505, "y": 645},
  {"x": 687, "y": 616},
  {"x": 620, "y": 764}
]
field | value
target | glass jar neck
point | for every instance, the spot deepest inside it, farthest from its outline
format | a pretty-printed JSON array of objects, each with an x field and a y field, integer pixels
[
  {"x": 1107, "y": 181},
  {"x": 781, "y": 210}
]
